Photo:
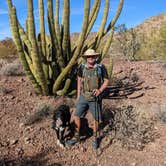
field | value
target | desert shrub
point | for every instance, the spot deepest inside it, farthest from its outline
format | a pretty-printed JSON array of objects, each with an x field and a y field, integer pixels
[
  {"x": 135, "y": 77},
  {"x": 161, "y": 114},
  {"x": 133, "y": 129},
  {"x": 11, "y": 69},
  {"x": 3, "y": 62},
  {"x": 128, "y": 41},
  {"x": 42, "y": 110},
  {"x": 154, "y": 47},
  {"x": 3, "y": 90},
  {"x": 7, "y": 49},
  {"x": 6, "y": 53}
]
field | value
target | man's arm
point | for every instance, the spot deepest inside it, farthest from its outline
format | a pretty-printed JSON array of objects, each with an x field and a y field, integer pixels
[
  {"x": 97, "y": 92},
  {"x": 104, "y": 85}
]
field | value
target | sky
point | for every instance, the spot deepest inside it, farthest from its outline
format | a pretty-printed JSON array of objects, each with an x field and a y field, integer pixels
[{"x": 133, "y": 13}]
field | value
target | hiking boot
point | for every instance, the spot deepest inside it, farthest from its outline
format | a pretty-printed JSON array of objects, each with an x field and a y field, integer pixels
[
  {"x": 95, "y": 143},
  {"x": 74, "y": 140}
]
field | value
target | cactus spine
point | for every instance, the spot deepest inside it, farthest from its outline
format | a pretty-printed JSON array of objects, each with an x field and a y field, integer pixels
[{"x": 49, "y": 60}]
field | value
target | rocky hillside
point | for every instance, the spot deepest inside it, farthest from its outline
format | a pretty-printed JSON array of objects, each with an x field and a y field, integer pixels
[
  {"x": 146, "y": 40},
  {"x": 152, "y": 23}
]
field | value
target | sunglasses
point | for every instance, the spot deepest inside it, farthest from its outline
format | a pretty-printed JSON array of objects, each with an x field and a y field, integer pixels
[{"x": 91, "y": 56}]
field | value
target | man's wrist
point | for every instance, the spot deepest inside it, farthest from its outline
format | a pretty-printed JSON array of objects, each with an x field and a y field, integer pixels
[{"x": 100, "y": 90}]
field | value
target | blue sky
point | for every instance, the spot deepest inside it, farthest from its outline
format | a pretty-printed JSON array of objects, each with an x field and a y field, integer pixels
[{"x": 134, "y": 12}]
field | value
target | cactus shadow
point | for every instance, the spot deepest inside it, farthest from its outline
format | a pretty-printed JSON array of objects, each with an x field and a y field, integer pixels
[{"x": 124, "y": 90}]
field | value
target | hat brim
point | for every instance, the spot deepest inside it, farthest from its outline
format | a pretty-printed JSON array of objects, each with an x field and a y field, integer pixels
[{"x": 95, "y": 54}]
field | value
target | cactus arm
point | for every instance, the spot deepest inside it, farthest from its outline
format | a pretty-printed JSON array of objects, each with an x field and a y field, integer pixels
[
  {"x": 92, "y": 18},
  {"x": 108, "y": 43},
  {"x": 103, "y": 23},
  {"x": 78, "y": 49},
  {"x": 21, "y": 31},
  {"x": 42, "y": 27},
  {"x": 110, "y": 68},
  {"x": 112, "y": 23},
  {"x": 66, "y": 30},
  {"x": 73, "y": 92},
  {"x": 43, "y": 39},
  {"x": 24, "y": 37},
  {"x": 39, "y": 74},
  {"x": 54, "y": 39},
  {"x": 94, "y": 8},
  {"x": 93, "y": 15},
  {"x": 17, "y": 41},
  {"x": 65, "y": 89},
  {"x": 56, "y": 20}
]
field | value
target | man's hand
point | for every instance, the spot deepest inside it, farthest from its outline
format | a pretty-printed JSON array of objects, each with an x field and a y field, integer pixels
[{"x": 96, "y": 92}]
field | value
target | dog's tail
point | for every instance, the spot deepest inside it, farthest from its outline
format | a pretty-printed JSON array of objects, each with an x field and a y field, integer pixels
[{"x": 41, "y": 112}]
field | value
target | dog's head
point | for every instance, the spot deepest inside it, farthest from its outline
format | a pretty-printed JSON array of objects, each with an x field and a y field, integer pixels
[
  {"x": 61, "y": 115},
  {"x": 58, "y": 122}
]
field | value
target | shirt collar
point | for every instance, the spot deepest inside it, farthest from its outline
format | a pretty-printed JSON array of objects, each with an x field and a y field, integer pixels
[{"x": 94, "y": 66}]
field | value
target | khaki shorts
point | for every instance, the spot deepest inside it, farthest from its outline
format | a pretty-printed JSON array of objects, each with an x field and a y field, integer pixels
[{"x": 94, "y": 107}]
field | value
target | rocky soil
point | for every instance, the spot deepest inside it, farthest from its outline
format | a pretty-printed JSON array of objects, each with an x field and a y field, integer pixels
[{"x": 141, "y": 84}]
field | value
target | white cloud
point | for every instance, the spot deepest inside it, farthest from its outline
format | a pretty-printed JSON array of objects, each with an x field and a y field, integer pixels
[{"x": 2, "y": 11}]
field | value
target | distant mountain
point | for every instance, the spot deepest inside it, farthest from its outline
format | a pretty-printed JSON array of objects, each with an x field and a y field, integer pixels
[
  {"x": 152, "y": 23},
  {"x": 149, "y": 36}
]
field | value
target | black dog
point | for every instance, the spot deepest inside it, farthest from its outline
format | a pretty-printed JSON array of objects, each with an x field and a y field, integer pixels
[{"x": 61, "y": 122}]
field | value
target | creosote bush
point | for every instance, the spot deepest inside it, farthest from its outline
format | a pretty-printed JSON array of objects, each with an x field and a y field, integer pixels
[{"x": 133, "y": 129}]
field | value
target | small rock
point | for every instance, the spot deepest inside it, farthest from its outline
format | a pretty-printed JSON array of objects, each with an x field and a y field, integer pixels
[
  {"x": 10, "y": 97},
  {"x": 29, "y": 93},
  {"x": 27, "y": 140},
  {"x": 21, "y": 80},
  {"x": 13, "y": 142},
  {"x": 83, "y": 149},
  {"x": 19, "y": 151},
  {"x": 133, "y": 164},
  {"x": 74, "y": 157},
  {"x": 21, "y": 125}
]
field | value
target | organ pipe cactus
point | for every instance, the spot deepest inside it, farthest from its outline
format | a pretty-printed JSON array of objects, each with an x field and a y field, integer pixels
[{"x": 50, "y": 60}]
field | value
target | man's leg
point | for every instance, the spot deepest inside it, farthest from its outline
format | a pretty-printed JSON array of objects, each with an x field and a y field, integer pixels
[
  {"x": 77, "y": 121},
  {"x": 81, "y": 108}
]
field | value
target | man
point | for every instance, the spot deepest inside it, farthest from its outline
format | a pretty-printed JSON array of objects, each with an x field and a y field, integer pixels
[{"x": 92, "y": 79}]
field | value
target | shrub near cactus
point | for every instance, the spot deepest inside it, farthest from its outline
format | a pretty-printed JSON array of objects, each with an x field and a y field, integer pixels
[{"x": 50, "y": 60}]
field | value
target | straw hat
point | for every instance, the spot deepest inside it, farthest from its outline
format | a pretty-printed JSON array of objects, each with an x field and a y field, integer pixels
[{"x": 90, "y": 52}]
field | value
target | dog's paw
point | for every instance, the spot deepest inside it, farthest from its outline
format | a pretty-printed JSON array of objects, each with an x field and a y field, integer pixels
[{"x": 60, "y": 144}]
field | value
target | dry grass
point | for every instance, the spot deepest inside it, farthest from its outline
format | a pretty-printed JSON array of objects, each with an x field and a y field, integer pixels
[
  {"x": 42, "y": 110},
  {"x": 10, "y": 69}
]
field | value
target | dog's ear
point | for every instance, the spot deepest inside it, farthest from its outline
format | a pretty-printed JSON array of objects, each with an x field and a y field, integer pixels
[{"x": 64, "y": 107}]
